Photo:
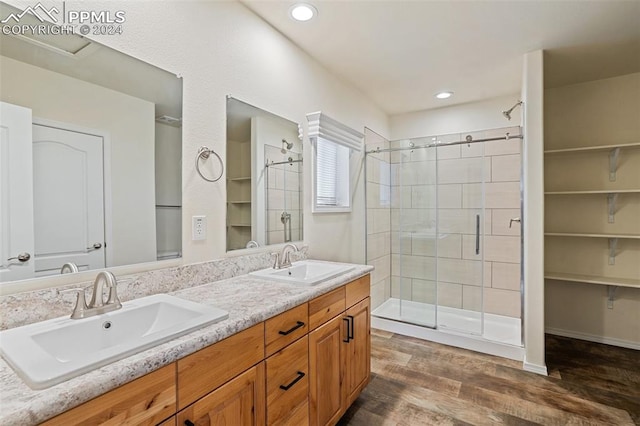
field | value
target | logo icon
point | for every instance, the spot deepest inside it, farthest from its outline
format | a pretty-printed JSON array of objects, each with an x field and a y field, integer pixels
[{"x": 38, "y": 11}]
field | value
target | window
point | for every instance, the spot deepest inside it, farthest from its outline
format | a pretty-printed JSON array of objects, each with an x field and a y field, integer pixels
[
  {"x": 332, "y": 175},
  {"x": 333, "y": 144}
]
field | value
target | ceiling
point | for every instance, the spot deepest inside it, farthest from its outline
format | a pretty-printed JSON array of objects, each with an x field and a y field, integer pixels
[{"x": 401, "y": 53}]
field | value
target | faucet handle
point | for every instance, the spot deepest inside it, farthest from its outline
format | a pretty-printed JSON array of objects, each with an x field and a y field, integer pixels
[
  {"x": 81, "y": 301},
  {"x": 276, "y": 260}
]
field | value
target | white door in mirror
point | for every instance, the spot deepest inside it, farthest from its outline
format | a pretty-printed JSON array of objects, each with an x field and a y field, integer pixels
[{"x": 16, "y": 193}]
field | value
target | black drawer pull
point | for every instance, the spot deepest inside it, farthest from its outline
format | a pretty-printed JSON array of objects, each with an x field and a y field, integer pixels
[
  {"x": 294, "y": 328},
  {"x": 188, "y": 423},
  {"x": 348, "y": 337},
  {"x": 296, "y": 380}
]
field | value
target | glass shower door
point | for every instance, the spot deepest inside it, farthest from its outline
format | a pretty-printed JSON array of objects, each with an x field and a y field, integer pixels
[
  {"x": 462, "y": 172},
  {"x": 414, "y": 235}
]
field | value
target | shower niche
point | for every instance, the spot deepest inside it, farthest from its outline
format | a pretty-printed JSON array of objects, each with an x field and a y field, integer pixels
[{"x": 444, "y": 233}]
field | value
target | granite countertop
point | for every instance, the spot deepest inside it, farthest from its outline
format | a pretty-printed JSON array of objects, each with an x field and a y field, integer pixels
[{"x": 248, "y": 299}]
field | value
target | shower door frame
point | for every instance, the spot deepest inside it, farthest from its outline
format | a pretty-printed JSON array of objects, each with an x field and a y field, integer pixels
[{"x": 468, "y": 140}]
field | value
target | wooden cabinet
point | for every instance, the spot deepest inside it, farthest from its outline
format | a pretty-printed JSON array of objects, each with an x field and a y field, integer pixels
[
  {"x": 358, "y": 357},
  {"x": 145, "y": 401},
  {"x": 239, "y": 402},
  {"x": 326, "y": 373},
  {"x": 205, "y": 370},
  {"x": 288, "y": 385},
  {"x": 340, "y": 356},
  {"x": 171, "y": 421},
  {"x": 286, "y": 328}
]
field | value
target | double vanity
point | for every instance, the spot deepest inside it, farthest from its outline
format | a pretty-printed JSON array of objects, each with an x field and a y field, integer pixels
[{"x": 276, "y": 346}]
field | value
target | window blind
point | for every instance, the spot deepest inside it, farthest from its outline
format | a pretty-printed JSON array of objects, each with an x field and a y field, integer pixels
[{"x": 326, "y": 177}]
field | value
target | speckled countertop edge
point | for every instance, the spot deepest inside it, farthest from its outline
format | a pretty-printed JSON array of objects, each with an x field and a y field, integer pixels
[{"x": 249, "y": 301}]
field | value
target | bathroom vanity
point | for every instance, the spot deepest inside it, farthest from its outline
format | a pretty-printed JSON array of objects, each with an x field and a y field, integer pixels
[{"x": 288, "y": 354}]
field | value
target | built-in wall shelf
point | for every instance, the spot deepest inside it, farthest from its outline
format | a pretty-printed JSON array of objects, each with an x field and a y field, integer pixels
[
  {"x": 593, "y": 279},
  {"x": 603, "y": 191},
  {"x": 238, "y": 179},
  {"x": 239, "y": 202},
  {"x": 240, "y": 225},
  {"x": 581, "y": 235},
  {"x": 593, "y": 148}
]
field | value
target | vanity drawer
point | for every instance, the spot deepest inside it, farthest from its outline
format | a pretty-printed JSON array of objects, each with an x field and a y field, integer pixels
[
  {"x": 325, "y": 307},
  {"x": 285, "y": 328},
  {"x": 207, "y": 369},
  {"x": 144, "y": 401},
  {"x": 358, "y": 290},
  {"x": 288, "y": 385}
]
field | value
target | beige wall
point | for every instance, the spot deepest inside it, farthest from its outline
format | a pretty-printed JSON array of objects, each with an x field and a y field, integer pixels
[
  {"x": 602, "y": 112},
  {"x": 220, "y": 49},
  {"x": 533, "y": 211},
  {"x": 129, "y": 123}
]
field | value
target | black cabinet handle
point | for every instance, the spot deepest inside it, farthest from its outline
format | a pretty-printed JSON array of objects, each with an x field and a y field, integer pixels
[
  {"x": 351, "y": 326},
  {"x": 296, "y": 380},
  {"x": 188, "y": 423},
  {"x": 292, "y": 329},
  {"x": 348, "y": 338}
]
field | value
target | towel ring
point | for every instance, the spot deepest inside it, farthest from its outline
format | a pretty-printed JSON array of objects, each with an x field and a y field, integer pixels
[{"x": 204, "y": 153}]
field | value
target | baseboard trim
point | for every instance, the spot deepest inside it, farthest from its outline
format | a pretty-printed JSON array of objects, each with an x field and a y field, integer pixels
[
  {"x": 594, "y": 338},
  {"x": 535, "y": 368}
]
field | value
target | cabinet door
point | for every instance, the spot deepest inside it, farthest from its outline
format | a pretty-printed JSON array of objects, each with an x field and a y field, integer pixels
[
  {"x": 358, "y": 350},
  {"x": 326, "y": 372},
  {"x": 240, "y": 402}
]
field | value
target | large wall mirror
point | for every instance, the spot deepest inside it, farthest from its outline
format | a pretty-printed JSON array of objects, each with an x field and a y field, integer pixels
[
  {"x": 264, "y": 178},
  {"x": 90, "y": 157}
]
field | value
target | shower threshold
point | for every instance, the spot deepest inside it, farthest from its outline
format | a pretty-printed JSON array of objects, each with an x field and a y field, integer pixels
[{"x": 462, "y": 322}]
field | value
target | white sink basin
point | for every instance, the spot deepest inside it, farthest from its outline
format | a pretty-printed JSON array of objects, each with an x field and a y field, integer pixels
[
  {"x": 50, "y": 352},
  {"x": 306, "y": 272}
]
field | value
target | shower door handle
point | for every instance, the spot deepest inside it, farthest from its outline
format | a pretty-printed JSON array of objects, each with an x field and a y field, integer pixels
[{"x": 477, "y": 234}]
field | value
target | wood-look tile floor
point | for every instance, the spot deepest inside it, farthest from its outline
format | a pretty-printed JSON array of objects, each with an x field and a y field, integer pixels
[{"x": 416, "y": 382}]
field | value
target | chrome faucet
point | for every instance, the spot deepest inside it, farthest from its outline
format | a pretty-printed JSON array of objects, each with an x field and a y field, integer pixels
[
  {"x": 283, "y": 259},
  {"x": 69, "y": 267},
  {"x": 97, "y": 305}
]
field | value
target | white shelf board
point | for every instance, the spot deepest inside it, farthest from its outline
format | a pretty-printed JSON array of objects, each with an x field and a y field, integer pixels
[
  {"x": 239, "y": 202},
  {"x": 582, "y": 235},
  {"x": 235, "y": 179},
  {"x": 600, "y": 191},
  {"x": 240, "y": 225},
  {"x": 593, "y": 148},
  {"x": 593, "y": 279}
]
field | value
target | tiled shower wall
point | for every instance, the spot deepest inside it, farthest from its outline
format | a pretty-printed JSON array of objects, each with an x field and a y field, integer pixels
[
  {"x": 283, "y": 194},
  {"x": 378, "y": 188},
  {"x": 417, "y": 181}
]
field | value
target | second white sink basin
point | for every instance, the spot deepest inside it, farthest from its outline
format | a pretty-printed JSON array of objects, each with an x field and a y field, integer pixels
[
  {"x": 50, "y": 352},
  {"x": 306, "y": 272}
]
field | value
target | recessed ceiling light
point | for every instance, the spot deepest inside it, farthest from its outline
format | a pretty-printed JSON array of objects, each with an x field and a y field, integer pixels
[
  {"x": 302, "y": 12},
  {"x": 444, "y": 95}
]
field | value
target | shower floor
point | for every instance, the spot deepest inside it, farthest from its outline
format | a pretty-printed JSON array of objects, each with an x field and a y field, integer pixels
[{"x": 497, "y": 328}]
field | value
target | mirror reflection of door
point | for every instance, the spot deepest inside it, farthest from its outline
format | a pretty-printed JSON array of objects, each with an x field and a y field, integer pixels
[
  {"x": 68, "y": 192},
  {"x": 16, "y": 196}
]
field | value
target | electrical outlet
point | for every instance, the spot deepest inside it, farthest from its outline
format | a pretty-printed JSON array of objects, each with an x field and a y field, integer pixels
[{"x": 198, "y": 228}]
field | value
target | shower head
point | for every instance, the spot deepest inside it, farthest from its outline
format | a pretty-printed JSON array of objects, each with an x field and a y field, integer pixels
[
  {"x": 507, "y": 113},
  {"x": 286, "y": 146}
]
